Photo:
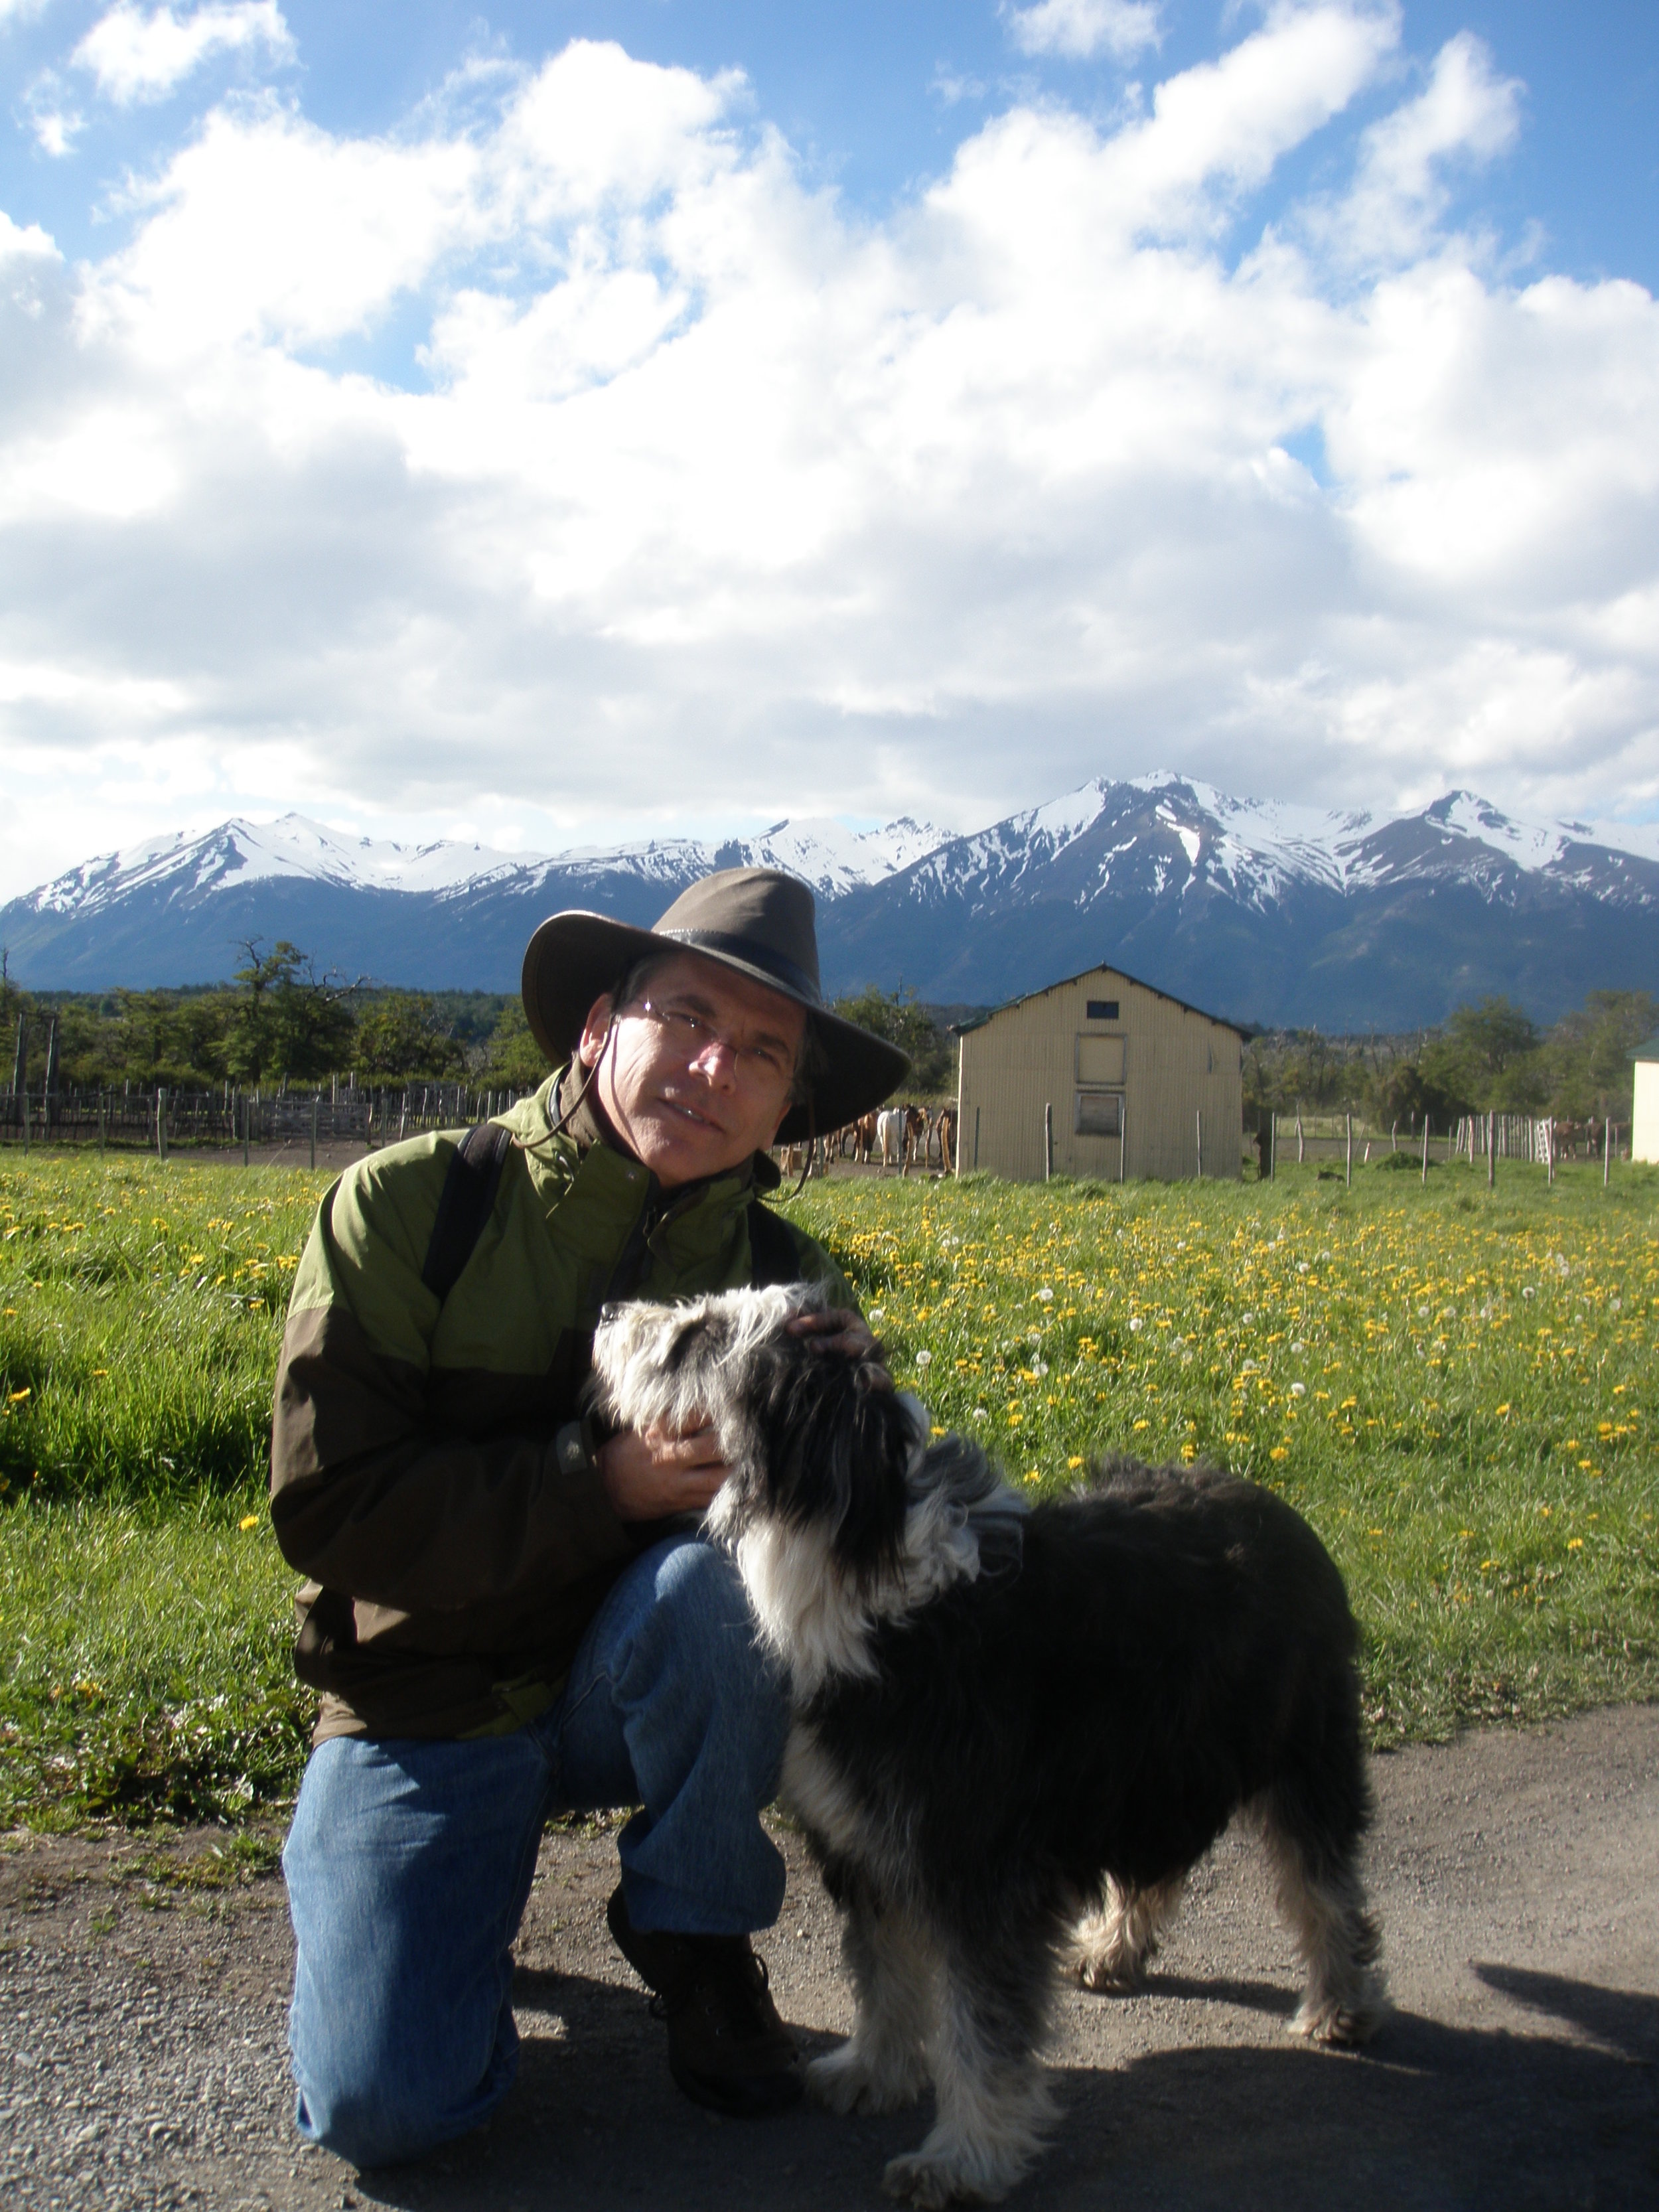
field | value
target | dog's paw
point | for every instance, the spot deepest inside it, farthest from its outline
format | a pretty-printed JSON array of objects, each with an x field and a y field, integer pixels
[
  {"x": 1107, "y": 1978},
  {"x": 1341, "y": 2026},
  {"x": 933, "y": 2182},
  {"x": 846, "y": 2081}
]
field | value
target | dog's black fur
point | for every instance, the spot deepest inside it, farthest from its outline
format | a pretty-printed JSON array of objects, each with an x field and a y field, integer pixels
[{"x": 1010, "y": 1721}]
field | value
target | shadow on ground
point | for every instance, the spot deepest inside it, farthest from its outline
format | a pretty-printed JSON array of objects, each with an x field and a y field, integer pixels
[{"x": 1557, "y": 2109}]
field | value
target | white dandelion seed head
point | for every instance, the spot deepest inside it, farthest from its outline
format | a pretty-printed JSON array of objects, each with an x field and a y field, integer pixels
[
  {"x": 924, "y": 1359},
  {"x": 1046, "y": 1295},
  {"x": 877, "y": 1313},
  {"x": 1298, "y": 1389},
  {"x": 1136, "y": 1324}
]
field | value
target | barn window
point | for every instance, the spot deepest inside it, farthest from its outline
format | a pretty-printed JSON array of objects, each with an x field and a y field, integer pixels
[
  {"x": 1099, "y": 1060},
  {"x": 1099, "y": 1114},
  {"x": 1102, "y": 1010}
]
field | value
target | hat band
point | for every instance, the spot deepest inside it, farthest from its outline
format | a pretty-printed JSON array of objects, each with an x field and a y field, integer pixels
[{"x": 794, "y": 980}]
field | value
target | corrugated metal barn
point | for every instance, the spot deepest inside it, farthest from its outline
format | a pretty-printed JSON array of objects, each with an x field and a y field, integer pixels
[
  {"x": 1113, "y": 1079},
  {"x": 1644, "y": 1114}
]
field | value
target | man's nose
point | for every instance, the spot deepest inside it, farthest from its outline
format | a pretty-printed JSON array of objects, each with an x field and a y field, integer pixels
[{"x": 718, "y": 1060}]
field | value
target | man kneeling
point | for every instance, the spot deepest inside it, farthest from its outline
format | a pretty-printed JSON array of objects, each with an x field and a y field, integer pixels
[{"x": 509, "y": 1612}]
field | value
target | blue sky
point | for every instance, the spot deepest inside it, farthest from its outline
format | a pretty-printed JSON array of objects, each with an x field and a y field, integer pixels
[
  {"x": 408, "y": 415},
  {"x": 874, "y": 98}
]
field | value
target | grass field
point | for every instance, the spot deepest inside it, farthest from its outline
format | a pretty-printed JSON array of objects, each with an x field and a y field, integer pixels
[{"x": 1456, "y": 1388}]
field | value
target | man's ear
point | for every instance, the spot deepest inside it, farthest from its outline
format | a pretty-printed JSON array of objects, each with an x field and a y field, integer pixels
[{"x": 595, "y": 1030}]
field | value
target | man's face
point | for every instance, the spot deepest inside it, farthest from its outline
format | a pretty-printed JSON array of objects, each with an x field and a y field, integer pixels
[{"x": 699, "y": 1073}]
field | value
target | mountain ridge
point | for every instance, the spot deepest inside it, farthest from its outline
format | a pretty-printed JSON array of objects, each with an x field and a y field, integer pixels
[{"x": 1263, "y": 910}]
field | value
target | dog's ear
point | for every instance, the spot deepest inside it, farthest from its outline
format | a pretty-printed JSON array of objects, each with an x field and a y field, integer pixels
[{"x": 836, "y": 1454}]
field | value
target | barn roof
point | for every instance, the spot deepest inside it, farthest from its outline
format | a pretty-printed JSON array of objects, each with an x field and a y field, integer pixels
[
  {"x": 1649, "y": 1050},
  {"x": 961, "y": 1029}
]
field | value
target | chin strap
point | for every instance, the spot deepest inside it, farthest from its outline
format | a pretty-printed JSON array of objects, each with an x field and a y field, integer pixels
[{"x": 812, "y": 1139}]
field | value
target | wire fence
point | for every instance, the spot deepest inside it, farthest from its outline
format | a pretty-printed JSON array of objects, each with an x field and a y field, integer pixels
[
  {"x": 1546, "y": 1142},
  {"x": 162, "y": 1120}
]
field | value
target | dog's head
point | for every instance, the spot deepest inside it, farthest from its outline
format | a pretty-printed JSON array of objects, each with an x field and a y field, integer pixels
[{"x": 816, "y": 1441}]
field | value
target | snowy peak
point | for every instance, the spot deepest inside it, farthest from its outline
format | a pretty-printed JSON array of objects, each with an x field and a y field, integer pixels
[
  {"x": 238, "y": 853},
  {"x": 1169, "y": 835}
]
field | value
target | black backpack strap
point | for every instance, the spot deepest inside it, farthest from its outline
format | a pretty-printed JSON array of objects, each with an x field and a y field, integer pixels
[
  {"x": 464, "y": 1203},
  {"x": 773, "y": 1257}
]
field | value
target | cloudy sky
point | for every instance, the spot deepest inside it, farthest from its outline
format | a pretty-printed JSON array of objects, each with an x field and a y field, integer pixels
[{"x": 552, "y": 423}]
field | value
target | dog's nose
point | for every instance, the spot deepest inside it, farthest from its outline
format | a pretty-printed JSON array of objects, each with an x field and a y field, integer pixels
[{"x": 608, "y": 1310}]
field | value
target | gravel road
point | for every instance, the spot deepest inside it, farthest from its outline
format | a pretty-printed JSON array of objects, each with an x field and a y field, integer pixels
[{"x": 141, "y": 2061}]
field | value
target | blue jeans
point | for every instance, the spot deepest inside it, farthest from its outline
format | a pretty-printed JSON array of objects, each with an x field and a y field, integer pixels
[{"x": 409, "y": 1862}]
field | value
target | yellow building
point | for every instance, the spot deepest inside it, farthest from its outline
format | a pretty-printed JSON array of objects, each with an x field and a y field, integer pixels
[
  {"x": 1100, "y": 1077},
  {"x": 1644, "y": 1116}
]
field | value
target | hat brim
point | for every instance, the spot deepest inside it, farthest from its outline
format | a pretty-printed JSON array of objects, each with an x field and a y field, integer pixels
[{"x": 575, "y": 957}]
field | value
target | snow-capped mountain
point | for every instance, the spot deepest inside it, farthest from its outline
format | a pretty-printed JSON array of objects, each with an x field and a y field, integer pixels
[
  {"x": 1260, "y": 910},
  {"x": 1270, "y": 912},
  {"x": 826, "y": 854}
]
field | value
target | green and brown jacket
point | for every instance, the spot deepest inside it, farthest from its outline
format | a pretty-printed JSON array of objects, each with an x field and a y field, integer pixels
[{"x": 429, "y": 1468}]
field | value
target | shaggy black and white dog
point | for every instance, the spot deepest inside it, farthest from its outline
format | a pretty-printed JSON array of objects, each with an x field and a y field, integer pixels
[{"x": 1016, "y": 1730}]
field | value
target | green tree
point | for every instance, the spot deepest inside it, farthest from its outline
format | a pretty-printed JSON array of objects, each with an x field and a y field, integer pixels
[
  {"x": 1486, "y": 1058},
  {"x": 896, "y": 1015},
  {"x": 1404, "y": 1094},
  {"x": 287, "y": 1021},
  {"x": 514, "y": 1061},
  {"x": 1587, "y": 1053},
  {"x": 400, "y": 1033}
]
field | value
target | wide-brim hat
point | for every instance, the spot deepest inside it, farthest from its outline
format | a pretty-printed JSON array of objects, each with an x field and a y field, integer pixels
[{"x": 759, "y": 921}]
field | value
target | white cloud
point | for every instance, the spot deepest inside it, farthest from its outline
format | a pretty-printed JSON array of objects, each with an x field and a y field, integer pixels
[
  {"x": 712, "y": 500},
  {"x": 137, "y": 55},
  {"x": 1079, "y": 29},
  {"x": 1468, "y": 114}
]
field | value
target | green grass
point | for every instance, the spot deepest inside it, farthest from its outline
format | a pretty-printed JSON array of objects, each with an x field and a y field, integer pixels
[
  {"x": 145, "y": 1612},
  {"x": 1456, "y": 1386}
]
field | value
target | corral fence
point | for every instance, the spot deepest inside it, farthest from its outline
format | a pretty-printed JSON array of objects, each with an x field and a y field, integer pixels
[
  {"x": 1486, "y": 1138},
  {"x": 160, "y": 1120}
]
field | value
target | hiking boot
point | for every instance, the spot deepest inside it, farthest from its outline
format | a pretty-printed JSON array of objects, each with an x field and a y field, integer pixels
[{"x": 727, "y": 2046}]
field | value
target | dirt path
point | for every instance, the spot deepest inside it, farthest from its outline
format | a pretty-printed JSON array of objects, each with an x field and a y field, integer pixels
[{"x": 141, "y": 2061}]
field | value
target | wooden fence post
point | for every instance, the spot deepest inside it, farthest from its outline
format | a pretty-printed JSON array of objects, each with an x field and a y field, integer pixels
[
  {"x": 161, "y": 1123},
  {"x": 1273, "y": 1145},
  {"x": 103, "y": 1110},
  {"x": 1298, "y": 1136},
  {"x": 1350, "y": 1122},
  {"x": 1492, "y": 1151},
  {"x": 1426, "y": 1119},
  {"x": 1047, "y": 1142},
  {"x": 1606, "y": 1148}
]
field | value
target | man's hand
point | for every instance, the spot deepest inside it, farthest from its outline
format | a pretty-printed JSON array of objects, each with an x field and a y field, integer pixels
[
  {"x": 649, "y": 1474},
  {"x": 848, "y": 1334}
]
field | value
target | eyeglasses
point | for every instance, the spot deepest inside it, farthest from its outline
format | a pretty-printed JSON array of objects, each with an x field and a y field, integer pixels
[{"x": 768, "y": 1061}]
